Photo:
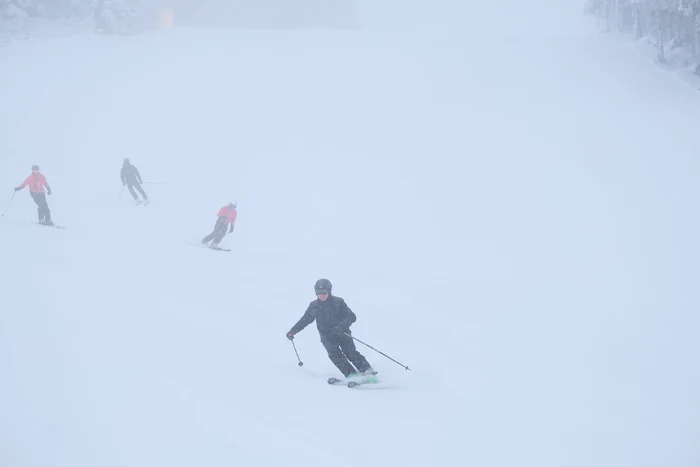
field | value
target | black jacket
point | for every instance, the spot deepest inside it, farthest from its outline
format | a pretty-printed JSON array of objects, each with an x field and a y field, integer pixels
[
  {"x": 329, "y": 314},
  {"x": 130, "y": 174}
]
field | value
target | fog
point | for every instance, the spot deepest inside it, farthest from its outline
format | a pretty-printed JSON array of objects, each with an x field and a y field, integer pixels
[{"x": 501, "y": 194}]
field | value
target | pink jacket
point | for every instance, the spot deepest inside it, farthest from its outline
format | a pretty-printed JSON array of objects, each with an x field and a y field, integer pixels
[
  {"x": 36, "y": 183},
  {"x": 229, "y": 213}
]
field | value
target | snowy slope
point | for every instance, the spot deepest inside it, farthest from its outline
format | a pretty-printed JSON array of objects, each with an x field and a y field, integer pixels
[{"x": 515, "y": 223}]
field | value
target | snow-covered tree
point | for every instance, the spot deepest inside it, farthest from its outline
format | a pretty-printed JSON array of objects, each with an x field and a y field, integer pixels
[
  {"x": 110, "y": 16},
  {"x": 670, "y": 24},
  {"x": 13, "y": 21},
  {"x": 115, "y": 16}
]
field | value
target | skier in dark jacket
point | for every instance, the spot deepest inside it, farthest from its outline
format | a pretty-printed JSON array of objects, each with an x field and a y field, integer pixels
[
  {"x": 333, "y": 319},
  {"x": 132, "y": 178}
]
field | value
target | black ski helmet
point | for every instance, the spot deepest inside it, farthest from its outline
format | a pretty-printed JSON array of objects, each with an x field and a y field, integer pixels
[
  {"x": 126, "y": 161},
  {"x": 35, "y": 167},
  {"x": 323, "y": 286}
]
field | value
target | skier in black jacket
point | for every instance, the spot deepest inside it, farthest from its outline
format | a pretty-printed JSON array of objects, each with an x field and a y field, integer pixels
[
  {"x": 333, "y": 319},
  {"x": 132, "y": 178}
]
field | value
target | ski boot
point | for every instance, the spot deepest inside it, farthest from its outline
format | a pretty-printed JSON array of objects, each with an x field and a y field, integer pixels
[
  {"x": 355, "y": 379},
  {"x": 369, "y": 372}
]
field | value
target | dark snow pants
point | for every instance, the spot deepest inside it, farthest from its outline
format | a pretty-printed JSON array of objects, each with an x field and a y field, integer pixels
[
  {"x": 131, "y": 184},
  {"x": 219, "y": 231},
  {"x": 341, "y": 349},
  {"x": 43, "y": 209}
]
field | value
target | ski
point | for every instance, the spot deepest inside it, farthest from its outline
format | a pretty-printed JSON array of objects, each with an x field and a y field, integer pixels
[
  {"x": 211, "y": 247},
  {"x": 354, "y": 381},
  {"x": 54, "y": 226},
  {"x": 369, "y": 379}
]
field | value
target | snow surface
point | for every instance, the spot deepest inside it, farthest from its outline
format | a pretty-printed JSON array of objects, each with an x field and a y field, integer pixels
[{"x": 512, "y": 215}]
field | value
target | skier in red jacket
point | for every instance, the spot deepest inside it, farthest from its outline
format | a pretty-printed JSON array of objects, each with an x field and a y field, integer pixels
[
  {"x": 37, "y": 182},
  {"x": 226, "y": 216}
]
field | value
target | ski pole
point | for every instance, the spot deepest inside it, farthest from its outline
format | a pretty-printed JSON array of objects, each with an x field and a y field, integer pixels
[
  {"x": 8, "y": 204},
  {"x": 120, "y": 193},
  {"x": 358, "y": 340},
  {"x": 295, "y": 351}
]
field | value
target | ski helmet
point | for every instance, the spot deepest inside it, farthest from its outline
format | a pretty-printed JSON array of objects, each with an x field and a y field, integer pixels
[
  {"x": 35, "y": 167},
  {"x": 126, "y": 161},
  {"x": 323, "y": 286},
  {"x": 233, "y": 204}
]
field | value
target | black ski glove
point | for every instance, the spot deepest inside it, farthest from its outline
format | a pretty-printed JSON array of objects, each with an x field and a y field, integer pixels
[
  {"x": 48, "y": 191},
  {"x": 231, "y": 229},
  {"x": 290, "y": 336},
  {"x": 17, "y": 188}
]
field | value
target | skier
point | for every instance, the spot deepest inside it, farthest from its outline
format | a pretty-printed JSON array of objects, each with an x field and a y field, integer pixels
[
  {"x": 333, "y": 319},
  {"x": 132, "y": 178},
  {"x": 226, "y": 216},
  {"x": 37, "y": 182}
]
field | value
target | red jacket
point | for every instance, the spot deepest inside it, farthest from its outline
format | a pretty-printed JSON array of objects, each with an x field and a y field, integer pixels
[
  {"x": 229, "y": 213},
  {"x": 36, "y": 183}
]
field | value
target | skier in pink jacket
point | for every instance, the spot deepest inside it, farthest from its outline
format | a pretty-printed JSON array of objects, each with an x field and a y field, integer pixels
[
  {"x": 36, "y": 182},
  {"x": 226, "y": 217}
]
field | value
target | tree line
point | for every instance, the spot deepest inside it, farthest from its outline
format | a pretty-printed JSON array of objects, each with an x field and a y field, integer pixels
[
  {"x": 110, "y": 16},
  {"x": 671, "y": 24}
]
